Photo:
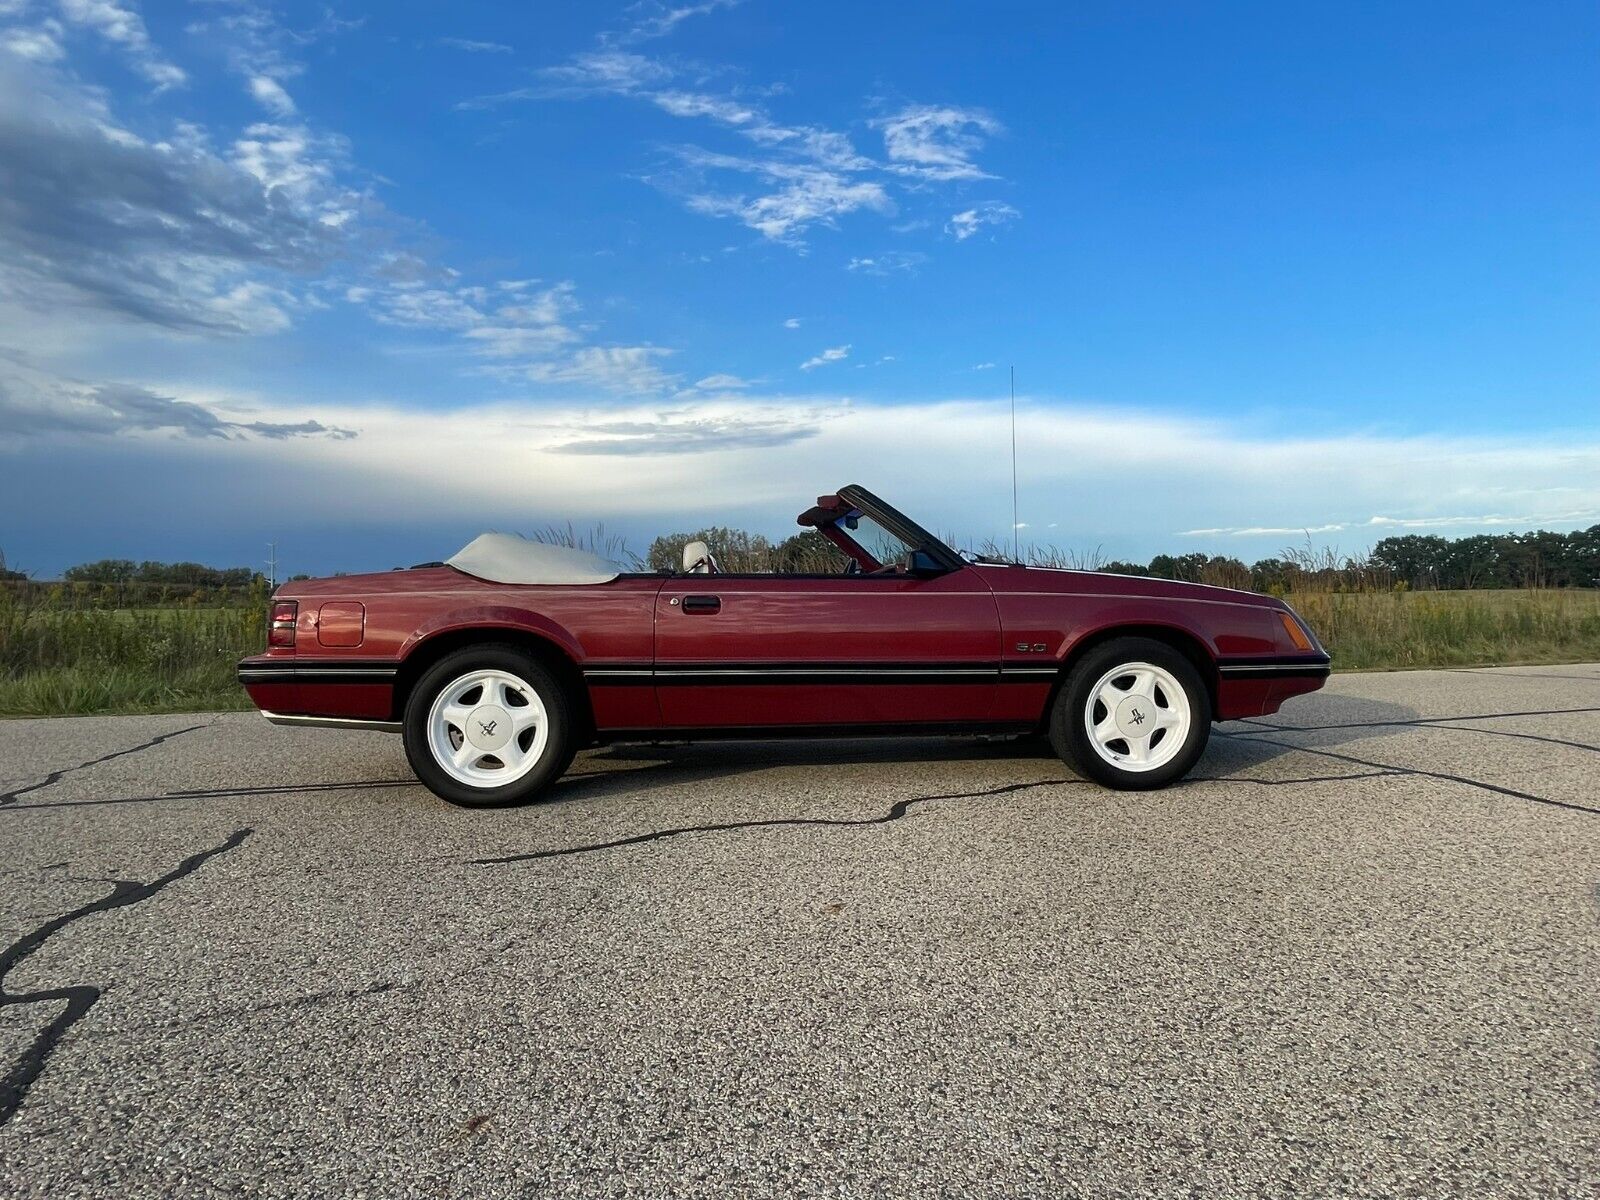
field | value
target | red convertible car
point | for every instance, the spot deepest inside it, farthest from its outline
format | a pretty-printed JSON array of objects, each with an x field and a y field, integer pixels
[{"x": 498, "y": 665}]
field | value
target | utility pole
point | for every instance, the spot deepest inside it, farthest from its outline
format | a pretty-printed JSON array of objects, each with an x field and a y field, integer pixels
[{"x": 272, "y": 566}]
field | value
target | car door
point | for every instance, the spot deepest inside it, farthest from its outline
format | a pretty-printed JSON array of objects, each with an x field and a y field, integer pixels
[{"x": 739, "y": 652}]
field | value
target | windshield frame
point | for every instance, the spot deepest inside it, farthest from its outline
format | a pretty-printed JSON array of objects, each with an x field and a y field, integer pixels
[{"x": 855, "y": 498}]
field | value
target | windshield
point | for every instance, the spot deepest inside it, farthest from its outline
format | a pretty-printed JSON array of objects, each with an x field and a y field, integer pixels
[{"x": 881, "y": 546}]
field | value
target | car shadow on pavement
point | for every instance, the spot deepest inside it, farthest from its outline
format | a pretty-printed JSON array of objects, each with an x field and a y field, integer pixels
[{"x": 1235, "y": 747}]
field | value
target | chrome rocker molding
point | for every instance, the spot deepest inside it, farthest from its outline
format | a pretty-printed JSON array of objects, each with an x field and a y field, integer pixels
[{"x": 332, "y": 722}]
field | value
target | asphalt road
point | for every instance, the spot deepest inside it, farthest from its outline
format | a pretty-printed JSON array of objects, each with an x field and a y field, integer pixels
[{"x": 1360, "y": 954}]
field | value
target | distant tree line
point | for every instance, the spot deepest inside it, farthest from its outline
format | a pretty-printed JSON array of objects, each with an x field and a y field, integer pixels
[
  {"x": 178, "y": 574},
  {"x": 1511, "y": 560},
  {"x": 123, "y": 583},
  {"x": 1541, "y": 559}
]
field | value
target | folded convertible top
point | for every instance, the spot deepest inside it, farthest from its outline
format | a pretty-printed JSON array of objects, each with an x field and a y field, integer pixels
[{"x": 507, "y": 558}]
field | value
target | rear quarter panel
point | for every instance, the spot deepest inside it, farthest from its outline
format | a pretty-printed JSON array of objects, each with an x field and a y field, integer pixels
[{"x": 593, "y": 624}]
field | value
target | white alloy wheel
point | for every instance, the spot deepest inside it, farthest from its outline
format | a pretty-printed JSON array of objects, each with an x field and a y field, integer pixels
[
  {"x": 487, "y": 728},
  {"x": 1137, "y": 716}
]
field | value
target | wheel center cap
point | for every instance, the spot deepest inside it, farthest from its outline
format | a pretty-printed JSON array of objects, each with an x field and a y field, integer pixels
[
  {"x": 489, "y": 727},
  {"x": 1136, "y": 717}
]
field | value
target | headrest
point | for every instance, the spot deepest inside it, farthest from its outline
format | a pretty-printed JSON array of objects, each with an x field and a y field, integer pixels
[{"x": 696, "y": 556}]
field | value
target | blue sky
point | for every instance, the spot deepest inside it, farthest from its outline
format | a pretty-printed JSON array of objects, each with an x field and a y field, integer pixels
[{"x": 367, "y": 280}]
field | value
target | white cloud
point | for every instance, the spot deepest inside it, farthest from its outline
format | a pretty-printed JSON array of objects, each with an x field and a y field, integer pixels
[
  {"x": 721, "y": 383},
  {"x": 491, "y": 463},
  {"x": 606, "y": 71},
  {"x": 805, "y": 198},
  {"x": 964, "y": 224},
  {"x": 887, "y": 263},
  {"x": 937, "y": 142},
  {"x": 792, "y": 323},
  {"x": 474, "y": 47},
  {"x": 694, "y": 104},
  {"x": 833, "y": 355},
  {"x": 165, "y": 234},
  {"x": 270, "y": 95},
  {"x": 983, "y": 366},
  {"x": 622, "y": 369},
  {"x": 811, "y": 175},
  {"x": 40, "y": 43},
  {"x": 125, "y": 28},
  {"x": 657, "y": 20}
]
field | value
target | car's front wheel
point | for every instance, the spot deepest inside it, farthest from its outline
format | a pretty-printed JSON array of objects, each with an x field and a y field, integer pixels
[
  {"x": 488, "y": 725},
  {"x": 1134, "y": 714}
]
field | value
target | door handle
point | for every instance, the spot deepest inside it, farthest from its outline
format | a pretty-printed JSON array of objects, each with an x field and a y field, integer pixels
[{"x": 702, "y": 604}]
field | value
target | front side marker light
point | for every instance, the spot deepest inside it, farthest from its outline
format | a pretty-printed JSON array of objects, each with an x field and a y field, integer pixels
[{"x": 1296, "y": 634}]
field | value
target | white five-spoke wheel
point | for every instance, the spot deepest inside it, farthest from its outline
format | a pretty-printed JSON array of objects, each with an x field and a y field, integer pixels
[
  {"x": 488, "y": 725},
  {"x": 488, "y": 728},
  {"x": 1137, "y": 716},
  {"x": 1134, "y": 713}
]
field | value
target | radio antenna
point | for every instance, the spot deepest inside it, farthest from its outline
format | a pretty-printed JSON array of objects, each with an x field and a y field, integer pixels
[{"x": 1016, "y": 551}]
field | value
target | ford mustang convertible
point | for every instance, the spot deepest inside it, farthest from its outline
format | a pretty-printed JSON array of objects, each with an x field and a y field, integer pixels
[{"x": 498, "y": 665}]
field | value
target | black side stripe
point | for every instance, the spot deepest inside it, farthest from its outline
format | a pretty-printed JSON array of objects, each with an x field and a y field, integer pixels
[
  {"x": 327, "y": 671},
  {"x": 771, "y": 674}
]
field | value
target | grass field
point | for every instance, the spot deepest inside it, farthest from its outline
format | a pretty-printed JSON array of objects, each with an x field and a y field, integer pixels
[{"x": 57, "y": 660}]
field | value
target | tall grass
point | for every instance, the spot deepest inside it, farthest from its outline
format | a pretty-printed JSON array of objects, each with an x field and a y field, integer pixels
[
  {"x": 57, "y": 657},
  {"x": 1396, "y": 630}
]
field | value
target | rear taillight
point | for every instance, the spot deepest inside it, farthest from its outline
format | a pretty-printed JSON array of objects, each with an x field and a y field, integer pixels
[{"x": 280, "y": 626}]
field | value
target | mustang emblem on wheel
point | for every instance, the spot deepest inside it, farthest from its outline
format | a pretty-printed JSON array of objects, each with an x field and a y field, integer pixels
[
  {"x": 1136, "y": 717},
  {"x": 487, "y": 727}
]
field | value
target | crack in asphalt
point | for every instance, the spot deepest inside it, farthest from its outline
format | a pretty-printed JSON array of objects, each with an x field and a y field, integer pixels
[
  {"x": 1504, "y": 673},
  {"x": 1416, "y": 771},
  {"x": 1417, "y": 721},
  {"x": 9, "y": 798},
  {"x": 896, "y": 811},
  {"x": 1431, "y": 723},
  {"x": 79, "y": 998},
  {"x": 282, "y": 789}
]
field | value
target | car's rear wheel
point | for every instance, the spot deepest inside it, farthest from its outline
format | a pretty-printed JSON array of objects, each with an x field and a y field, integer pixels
[
  {"x": 1134, "y": 714},
  {"x": 488, "y": 725}
]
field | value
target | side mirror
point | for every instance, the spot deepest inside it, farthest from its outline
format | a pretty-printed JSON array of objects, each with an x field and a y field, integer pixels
[{"x": 922, "y": 564}]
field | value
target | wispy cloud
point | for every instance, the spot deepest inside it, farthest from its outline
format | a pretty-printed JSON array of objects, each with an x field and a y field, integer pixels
[
  {"x": 474, "y": 47},
  {"x": 937, "y": 142},
  {"x": 804, "y": 175},
  {"x": 1553, "y": 518},
  {"x": 964, "y": 224},
  {"x": 125, "y": 29},
  {"x": 805, "y": 196},
  {"x": 792, "y": 323},
  {"x": 721, "y": 383},
  {"x": 40, "y": 43},
  {"x": 653, "y": 19},
  {"x": 887, "y": 263},
  {"x": 170, "y": 233},
  {"x": 832, "y": 355},
  {"x": 34, "y": 405},
  {"x": 270, "y": 94}
]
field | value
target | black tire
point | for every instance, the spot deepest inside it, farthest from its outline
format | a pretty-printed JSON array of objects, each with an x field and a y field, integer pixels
[
  {"x": 560, "y": 743},
  {"x": 1072, "y": 740}
]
